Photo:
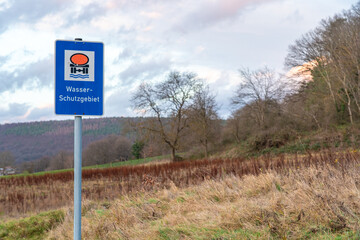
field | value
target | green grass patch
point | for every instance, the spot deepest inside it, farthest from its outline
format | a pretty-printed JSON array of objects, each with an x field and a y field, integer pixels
[
  {"x": 153, "y": 201},
  {"x": 100, "y": 212},
  {"x": 33, "y": 228},
  {"x": 278, "y": 187},
  {"x": 180, "y": 199},
  {"x": 322, "y": 234},
  {"x": 127, "y": 163},
  {"x": 37, "y": 173},
  {"x": 108, "y": 165},
  {"x": 168, "y": 234}
]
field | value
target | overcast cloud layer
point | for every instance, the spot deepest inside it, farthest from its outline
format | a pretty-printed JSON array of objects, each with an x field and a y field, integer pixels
[{"x": 144, "y": 40}]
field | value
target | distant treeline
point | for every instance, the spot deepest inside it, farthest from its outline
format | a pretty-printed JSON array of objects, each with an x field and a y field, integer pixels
[{"x": 33, "y": 140}]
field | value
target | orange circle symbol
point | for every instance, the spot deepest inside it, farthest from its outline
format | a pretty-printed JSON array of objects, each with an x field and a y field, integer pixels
[{"x": 79, "y": 59}]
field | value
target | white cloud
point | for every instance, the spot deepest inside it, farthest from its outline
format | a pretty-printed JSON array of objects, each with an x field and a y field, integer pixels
[
  {"x": 143, "y": 41},
  {"x": 4, "y": 4},
  {"x": 151, "y": 15}
]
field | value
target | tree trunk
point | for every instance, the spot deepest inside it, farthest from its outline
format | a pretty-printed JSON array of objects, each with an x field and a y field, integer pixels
[
  {"x": 236, "y": 134},
  {"x": 349, "y": 107},
  {"x": 173, "y": 156},
  {"x": 316, "y": 121},
  {"x": 206, "y": 148}
]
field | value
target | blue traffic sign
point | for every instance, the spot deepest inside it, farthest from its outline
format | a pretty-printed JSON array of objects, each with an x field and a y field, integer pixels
[{"x": 79, "y": 73}]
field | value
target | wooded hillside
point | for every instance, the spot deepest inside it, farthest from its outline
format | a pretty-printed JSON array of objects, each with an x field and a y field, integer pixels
[{"x": 33, "y": 140}]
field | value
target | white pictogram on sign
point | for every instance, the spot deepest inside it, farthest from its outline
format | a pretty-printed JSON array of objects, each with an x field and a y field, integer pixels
[{"x": 79, "y": 65}]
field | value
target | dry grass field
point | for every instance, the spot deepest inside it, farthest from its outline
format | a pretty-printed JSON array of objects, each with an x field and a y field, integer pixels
[{"x": 313, "y": 197}]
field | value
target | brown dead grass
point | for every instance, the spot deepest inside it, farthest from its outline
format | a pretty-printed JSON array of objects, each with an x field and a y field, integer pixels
[
  {"x": 302, "y": 197},
  {"x": 316, "y": 202}
]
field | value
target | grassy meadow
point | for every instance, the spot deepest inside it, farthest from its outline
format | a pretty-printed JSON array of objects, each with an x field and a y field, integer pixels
[{"x": 315, "y": 196}]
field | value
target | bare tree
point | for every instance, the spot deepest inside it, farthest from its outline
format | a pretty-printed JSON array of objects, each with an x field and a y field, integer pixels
[
  {"x": 258, "y": 91},
  {"x": 62, "y": 160},
  {"x": 109, "y": 149},
  {"x": 166, "y": 103},
  {"x": 204, "y": 120},
  {"x": 239, "y": 125},
  {"x": 333, "y": 49}
]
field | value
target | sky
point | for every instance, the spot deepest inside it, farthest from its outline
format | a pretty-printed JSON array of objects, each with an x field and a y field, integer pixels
[{"x": 144, "y": 40}]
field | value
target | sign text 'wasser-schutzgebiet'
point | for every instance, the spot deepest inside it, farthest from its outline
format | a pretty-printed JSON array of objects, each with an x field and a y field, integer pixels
[{"x": 79, "y": 78}]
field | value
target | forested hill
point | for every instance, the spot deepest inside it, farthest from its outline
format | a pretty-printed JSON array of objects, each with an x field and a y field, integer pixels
[{"x": 30, "y": 141}]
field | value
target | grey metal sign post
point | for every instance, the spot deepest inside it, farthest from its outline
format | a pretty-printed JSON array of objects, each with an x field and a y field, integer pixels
[
  {"x": 77, "y": 176},
  {"x": 79, "y": 73}
]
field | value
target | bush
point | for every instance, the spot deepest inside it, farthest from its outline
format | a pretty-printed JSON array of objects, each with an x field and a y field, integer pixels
[
  {"x": 110, "y": 149},
  {"x": 32, "y": 227},
  {"x": 178, "y": 159},
  {"x": 137, "y": 149}
]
